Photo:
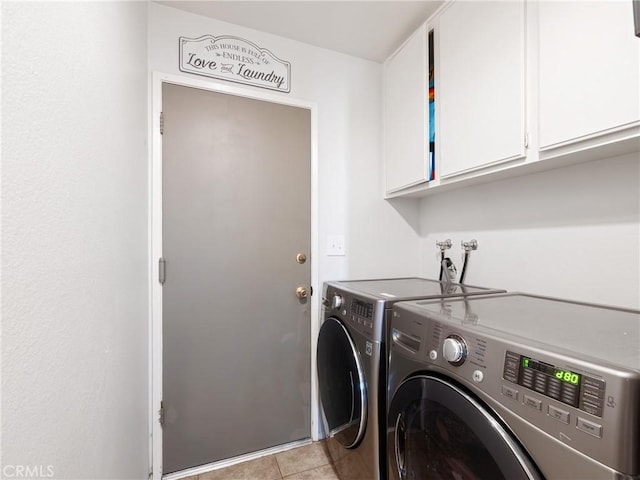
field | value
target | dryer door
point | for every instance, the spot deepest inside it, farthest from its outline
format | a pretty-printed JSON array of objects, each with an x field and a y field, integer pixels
[
  {"x": 437, "y": 430},
  {"x": 342, "y": 384}
]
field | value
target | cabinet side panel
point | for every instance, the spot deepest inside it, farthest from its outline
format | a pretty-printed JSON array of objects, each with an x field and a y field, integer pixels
[{"x": 406, "y": 121}]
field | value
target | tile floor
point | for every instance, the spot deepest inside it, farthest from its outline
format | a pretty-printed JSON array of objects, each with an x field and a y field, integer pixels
[{"x": 311, "y": 462}]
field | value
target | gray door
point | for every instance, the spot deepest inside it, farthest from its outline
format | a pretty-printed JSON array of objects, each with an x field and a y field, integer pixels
[{"x": 235, "y": 215}]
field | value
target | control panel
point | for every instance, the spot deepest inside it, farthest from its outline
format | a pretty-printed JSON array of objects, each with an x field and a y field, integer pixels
[
  {"x": 362, "y": 308},
  {"x": 361, "y": 313},
  {"x": 571, "y": 388}
]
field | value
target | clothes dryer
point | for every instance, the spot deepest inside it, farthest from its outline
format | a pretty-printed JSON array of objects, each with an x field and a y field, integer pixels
[
  {"x": 352, "y": 365},
  {"x": 513, "y": 387}
]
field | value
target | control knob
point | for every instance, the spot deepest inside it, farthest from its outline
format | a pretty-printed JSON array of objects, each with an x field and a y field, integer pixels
[
  {"x": 454, "y": 350},
  {"x": 336, "y": 302}
]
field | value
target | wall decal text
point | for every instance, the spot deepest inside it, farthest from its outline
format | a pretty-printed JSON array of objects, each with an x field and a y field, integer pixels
[{"x": 236, "y": 60}]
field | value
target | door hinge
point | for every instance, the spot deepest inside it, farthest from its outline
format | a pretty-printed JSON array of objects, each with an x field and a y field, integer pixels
[
  {"x": 161, "y": 414},
  {"x": 161, "y": 271},
  {"x": 526, "y": 140},
  {"x": 161, "y": 123}
]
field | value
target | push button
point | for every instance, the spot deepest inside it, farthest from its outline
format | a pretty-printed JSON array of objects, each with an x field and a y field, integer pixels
[
  {"x": 589, "y": 427},
  {"x": 510, "y": 392},
  {"x": 560, "y": 415},
  {"x": 532, "y": 402}
]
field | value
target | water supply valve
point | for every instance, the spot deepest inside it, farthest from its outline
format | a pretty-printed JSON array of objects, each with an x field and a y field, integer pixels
[
  {"x": 467, "y": 247},
  {"x": 447, "y": 268},
  {"x": 470, "y": 245},
  {"x": 444, "y": 245}
]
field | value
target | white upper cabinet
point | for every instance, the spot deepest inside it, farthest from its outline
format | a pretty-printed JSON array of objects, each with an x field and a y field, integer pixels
[
  {"x": 405, "y": 114},
  {"x": 480, "y": 85},
  {"x": 520, "y": 86},
  {"x": 589, "y": 74}
]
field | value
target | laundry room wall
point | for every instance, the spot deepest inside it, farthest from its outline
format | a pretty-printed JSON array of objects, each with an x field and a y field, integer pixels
[
  {"x": 347, "y": 91},
  {"x": 572, "y": 232},
  {"x": 74, "y": 240}
]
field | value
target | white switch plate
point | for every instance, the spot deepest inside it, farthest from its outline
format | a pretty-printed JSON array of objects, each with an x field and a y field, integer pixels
[{"x": 335, "y": 245}]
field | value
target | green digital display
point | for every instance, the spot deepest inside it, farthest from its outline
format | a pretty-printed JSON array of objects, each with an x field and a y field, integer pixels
[{"x": 567, "y": 376}]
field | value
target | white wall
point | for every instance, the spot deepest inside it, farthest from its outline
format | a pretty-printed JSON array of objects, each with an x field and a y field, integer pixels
[
  {"x": 347, "y": 91},
  {"x": 571, "y": 232},
  {"x": 74, "y": 240}
]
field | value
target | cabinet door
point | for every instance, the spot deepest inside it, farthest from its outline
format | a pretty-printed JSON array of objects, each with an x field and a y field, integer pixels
[
  {"x": 480, "y": 85},
  {"x": 405, "y": 114},
  {"x": 589, "y": 69}
]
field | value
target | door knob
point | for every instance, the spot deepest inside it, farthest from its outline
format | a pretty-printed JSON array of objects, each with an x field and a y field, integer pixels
[
  {"x": 301, "y": 292},
  {"x": 301, "y": 258}
]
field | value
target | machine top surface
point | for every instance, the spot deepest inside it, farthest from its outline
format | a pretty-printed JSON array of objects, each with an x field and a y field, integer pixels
[
  {"x": 601, "y": 332},
  {"x": 401, "y": 289}
]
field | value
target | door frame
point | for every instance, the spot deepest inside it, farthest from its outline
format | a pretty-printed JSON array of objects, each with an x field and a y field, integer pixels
[{"x": 155, "y": 247}]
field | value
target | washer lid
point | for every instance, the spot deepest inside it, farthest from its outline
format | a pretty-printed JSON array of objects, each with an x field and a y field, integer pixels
[
  {"x": 342, "y": 384},
  {"x": 398, "y": 289}
]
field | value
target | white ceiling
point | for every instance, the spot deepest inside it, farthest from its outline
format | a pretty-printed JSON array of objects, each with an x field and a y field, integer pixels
[{"x": 365, "y": 29}]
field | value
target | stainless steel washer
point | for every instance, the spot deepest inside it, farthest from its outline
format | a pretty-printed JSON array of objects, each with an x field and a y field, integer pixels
[
  {"x": 351, "y": 364},
  {"x": 514, "y": 386}
]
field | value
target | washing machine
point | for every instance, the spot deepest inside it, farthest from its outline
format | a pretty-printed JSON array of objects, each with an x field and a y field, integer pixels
[
  {"x": 352, "y": 365},
  {"x": 513, "y": 386}
]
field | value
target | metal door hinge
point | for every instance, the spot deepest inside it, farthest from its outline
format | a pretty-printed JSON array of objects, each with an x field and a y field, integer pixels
[
  {"x": 526, "y": 140},
  {"x": 161, "y": 271},
  {"x": 161, "y": 414},
  {"x": 161, "y": 123}
]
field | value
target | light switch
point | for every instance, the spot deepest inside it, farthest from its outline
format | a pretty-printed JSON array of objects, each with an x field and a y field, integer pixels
[{"x": 335, "y": 245}]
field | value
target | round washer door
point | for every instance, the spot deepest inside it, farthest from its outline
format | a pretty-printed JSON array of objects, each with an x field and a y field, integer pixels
[
  {"x": 342, "y": 384},
  {"x": 437, "y": 430}
]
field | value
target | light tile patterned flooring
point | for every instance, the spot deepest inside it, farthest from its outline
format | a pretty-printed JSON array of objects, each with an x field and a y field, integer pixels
[{"x": 310, "y": 462}]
